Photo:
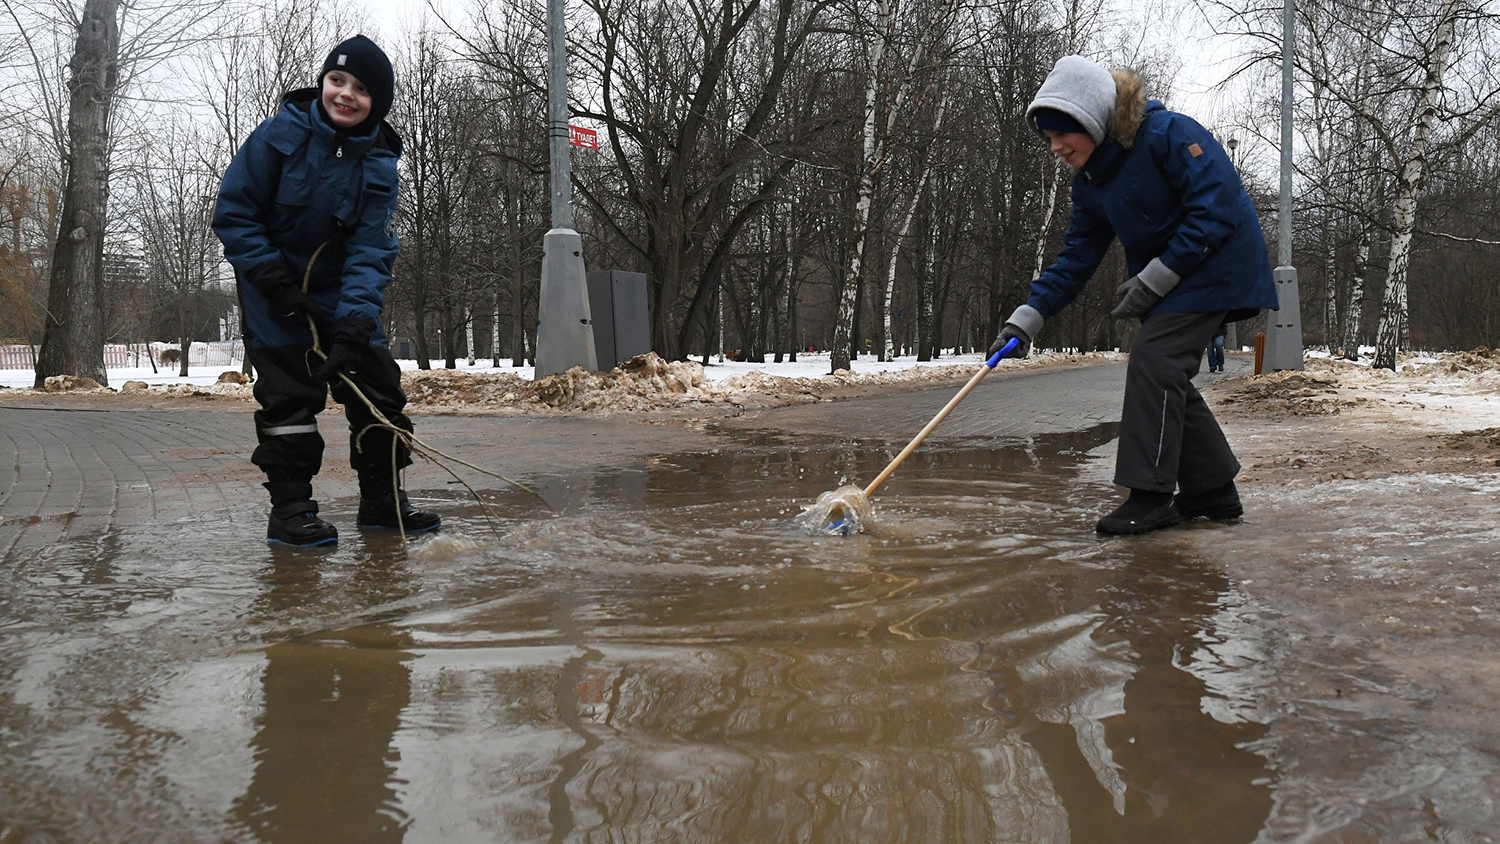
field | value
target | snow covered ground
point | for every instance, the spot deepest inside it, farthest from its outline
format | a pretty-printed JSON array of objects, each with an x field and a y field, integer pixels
[{"x": 808, "y": 365}]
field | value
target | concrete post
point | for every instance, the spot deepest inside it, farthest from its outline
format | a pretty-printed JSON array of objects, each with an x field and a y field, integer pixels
[
  {"x": 1284, "y": 326},
  {"x": 565, "y": 333}
]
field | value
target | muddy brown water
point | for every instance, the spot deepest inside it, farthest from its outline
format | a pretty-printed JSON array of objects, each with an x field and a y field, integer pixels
[{"x": 657, "y": 659}]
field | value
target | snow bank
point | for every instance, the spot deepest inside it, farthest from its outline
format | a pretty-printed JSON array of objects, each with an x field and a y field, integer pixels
[{"x": 647, "y": 382}]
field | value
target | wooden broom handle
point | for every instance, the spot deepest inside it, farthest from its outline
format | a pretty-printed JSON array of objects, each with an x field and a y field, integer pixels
[{"x": 941, "y": 415}]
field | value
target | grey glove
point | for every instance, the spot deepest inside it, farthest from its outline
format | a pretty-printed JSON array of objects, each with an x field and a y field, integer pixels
[
  {"x": 1137, "y": 299},
  {"x": 1023, "y": 348},
  {"x": 1140, "y": 293},
  {"x": 1023, "y": 324}
]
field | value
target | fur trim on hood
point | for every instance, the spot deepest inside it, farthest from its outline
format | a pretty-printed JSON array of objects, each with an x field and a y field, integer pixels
[{"x": 1130, "y": 108}]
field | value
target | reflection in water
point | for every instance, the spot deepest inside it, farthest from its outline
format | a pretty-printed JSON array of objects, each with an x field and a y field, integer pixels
[
  {"x": 1157, "y": 767},
  {"x": 324, "y": 762},
  {"x": 659, "y": 661},
  {"x": 997, "y": 675}
]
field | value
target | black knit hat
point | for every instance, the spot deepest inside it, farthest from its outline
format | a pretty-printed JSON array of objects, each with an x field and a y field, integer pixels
[
  {"x": 362, "y": 59},
  {"x": 1044, "y": 119}
]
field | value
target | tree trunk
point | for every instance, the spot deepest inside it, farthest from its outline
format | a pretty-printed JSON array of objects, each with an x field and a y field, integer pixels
[
  {"x": 843, "y": 325},
  {"x": 1331, "y": 329},
  {"x": 1356, "y": 304},
  {"x": 450, "y": 337},
  {"x": 495, "y": 329},
  {"x": 1048, "y": 212},
  {"x": 924, "y": 304},
  {"x": 517, "y": 298},
  {"x": 469, "y": 334},
  {"x": 911, "y": 213},
  {"x": 1392, "y": 328},
  {"x": 73, "y": 339}
]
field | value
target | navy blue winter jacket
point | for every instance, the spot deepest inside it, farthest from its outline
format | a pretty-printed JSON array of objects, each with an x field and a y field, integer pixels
[
  {"x": 296, "y": 184},
  {"x": 1169, "y": 192}
]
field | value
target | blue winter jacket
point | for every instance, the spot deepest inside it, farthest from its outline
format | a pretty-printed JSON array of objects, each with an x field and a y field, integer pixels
[
  {"x": 294, "y": 185},
  {"x": 1172, "y": 193}
]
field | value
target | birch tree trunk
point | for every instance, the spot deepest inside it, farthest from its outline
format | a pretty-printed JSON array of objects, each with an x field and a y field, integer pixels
[
  {"x": 793, "y": 261},
  {"x": 73, "y": 337},
  {"x": 911, "y": 213},
  {"x": 1331, "y": 328},
  {"x": 495, "y": 329},
  {"x": 469, "y": 333},
  {"x": 843, "y": 326},
  {"x": 1356, "y": 305},
  {"x": 1048, "y": 213},
  {"x": 1393, "y": 312}
]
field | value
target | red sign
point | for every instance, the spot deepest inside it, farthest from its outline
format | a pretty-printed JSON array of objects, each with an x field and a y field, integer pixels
[{"x": 581, "y": 137}]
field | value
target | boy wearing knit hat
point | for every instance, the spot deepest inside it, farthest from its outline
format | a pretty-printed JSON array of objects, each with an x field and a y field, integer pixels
[
  {"x": 1159, "y": 183},
  {"x": 305, "y": 212}
]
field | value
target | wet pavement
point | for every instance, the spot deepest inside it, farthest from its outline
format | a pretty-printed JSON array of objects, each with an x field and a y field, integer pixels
[{"x": 652, "y": 655}]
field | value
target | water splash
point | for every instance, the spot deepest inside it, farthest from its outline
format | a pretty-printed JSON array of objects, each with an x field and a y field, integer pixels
[{"x": 840, "y": 512}]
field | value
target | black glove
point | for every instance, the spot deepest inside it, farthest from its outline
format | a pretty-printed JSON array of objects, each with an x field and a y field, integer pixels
[
  {"x": 1006, "y": 333},
  {"x": 291, "y": 302},
  {"x": 1136, "y": 299},
  {"x": 351, "y": 340},
  {"x": 275, "y": 282}
]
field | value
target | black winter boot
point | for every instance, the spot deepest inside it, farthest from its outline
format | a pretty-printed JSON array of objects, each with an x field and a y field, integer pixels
[
  {"x": 1143, "y": 512},
  {"x": 1220, "y": 503},
  {"x": 377, "y": 508},
  {"x": 294, "y": 516}
]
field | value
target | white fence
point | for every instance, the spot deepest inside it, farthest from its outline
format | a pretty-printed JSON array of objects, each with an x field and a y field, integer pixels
[{"x": 134, "y": 355}]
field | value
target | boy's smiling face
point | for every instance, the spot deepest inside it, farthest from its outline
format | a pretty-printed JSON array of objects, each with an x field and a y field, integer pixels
[
  {"x": 1074, "y": 148},
  {"x": 345, "y": 99}
]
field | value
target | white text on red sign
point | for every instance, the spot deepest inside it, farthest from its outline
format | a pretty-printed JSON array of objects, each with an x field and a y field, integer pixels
[{"x": 581, "y": 137}]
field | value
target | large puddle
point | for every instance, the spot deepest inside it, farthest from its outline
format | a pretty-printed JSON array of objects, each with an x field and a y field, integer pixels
[{"x": 660, "y": 658}]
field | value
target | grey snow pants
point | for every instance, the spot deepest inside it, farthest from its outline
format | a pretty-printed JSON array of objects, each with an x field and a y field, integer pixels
[{"x": 1169, "y": 439}]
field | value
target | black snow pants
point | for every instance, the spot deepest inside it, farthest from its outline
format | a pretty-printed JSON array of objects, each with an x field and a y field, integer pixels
[
  {"x": 1169, "y": 439},
  {"x": 291, "y": 449}
]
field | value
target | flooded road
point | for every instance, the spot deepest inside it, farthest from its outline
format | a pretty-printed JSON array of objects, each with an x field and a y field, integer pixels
[{"x": 658, "y": 658}]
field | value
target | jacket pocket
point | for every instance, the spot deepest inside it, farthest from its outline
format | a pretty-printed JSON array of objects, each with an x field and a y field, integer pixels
[{"x": 293, "y": 192}]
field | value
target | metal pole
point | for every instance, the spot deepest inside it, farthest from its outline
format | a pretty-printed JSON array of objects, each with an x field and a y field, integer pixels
[
  {"x": 565, "y": 331},
  {"x": 1288, "y": 30},
  {"x": 557, "y": 115},
  {"x": 1284, "y": 329}
]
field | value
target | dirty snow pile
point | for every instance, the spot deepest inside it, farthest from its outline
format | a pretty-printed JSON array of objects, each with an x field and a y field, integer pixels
[
  {"x": 230, "y": 384},
  {"x": 647, "y": 382},
  {"x": 1449, "y": 391}
]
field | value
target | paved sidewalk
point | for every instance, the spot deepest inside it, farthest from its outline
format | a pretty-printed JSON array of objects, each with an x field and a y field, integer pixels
[{"x": 68, "y": 473}]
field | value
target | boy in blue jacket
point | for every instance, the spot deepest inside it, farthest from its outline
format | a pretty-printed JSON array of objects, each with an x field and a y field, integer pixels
[
  {"x": 312, "y": 195},
  {"x": 1161, "y": 184}
]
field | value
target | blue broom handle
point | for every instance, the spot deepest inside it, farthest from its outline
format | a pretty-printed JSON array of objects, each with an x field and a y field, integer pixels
[{"x": 1010, "y": 346}]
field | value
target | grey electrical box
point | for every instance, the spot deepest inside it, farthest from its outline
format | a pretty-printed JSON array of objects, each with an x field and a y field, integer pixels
[{"x": 621, "y": 318}]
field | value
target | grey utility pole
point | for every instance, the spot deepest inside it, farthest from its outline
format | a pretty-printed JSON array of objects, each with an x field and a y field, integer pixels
[
  {"x": 565, "y": 333},
  {"x": 1284, "y": 330}
]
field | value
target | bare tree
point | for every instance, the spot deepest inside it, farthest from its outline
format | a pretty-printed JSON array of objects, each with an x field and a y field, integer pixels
[
  {"x": 175, "y": 192},
  {"x": 73, "y": 342},
  {"x": 894, "y": 84},
  {"x": 681, "y": 143}
]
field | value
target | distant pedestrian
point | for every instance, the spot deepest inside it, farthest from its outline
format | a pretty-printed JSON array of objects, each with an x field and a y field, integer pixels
[
  {"x": 1216, "y": 349},
  {"x": 312, "y": 192},
  {"x": 1161, "y": 184}
]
